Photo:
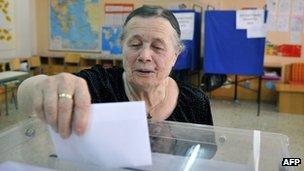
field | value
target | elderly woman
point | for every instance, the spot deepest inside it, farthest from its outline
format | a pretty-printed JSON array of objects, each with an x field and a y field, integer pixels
[{"x": 150, "y": 44}]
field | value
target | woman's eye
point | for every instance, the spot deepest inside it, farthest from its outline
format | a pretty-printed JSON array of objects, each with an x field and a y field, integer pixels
[
  {"x": 158, "y": 47},
  {"x": 135, "y": 45}
]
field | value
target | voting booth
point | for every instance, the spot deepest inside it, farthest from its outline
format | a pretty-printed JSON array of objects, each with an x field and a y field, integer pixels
[
  {"x": 174, "y": 145},
  {"x": 232, "y": 47},
  {"x": 190, "y": 25},
  {"x": 189, "y": 59}
]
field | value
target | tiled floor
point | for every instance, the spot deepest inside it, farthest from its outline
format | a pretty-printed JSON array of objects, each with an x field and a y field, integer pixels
[{"x": 236, "y": 115}]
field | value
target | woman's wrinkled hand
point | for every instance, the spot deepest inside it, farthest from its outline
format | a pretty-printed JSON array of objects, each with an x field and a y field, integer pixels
[{"x": 62, "y": 101}]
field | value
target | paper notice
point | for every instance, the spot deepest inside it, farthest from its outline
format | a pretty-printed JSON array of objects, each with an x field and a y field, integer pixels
[
  {"x": 186, "y": 23},
  {"x": 256, "y": 32},
  {"x": 272, "y": 7},
  {"x": 283, "y": 23},
  {"x": 298, "y": 7},
  {"x": 249, "y": 18},
  {"x": 296, "y": 23},
  {"x": 271, "y": 22},
  {"x": 284, "y": 7}
]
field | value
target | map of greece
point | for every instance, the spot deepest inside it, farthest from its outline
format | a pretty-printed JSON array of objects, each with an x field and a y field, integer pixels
[{"x": 75, "y": 25}]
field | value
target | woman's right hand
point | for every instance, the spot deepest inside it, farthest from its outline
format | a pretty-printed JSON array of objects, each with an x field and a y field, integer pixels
[{"x": 62, "y": 101}]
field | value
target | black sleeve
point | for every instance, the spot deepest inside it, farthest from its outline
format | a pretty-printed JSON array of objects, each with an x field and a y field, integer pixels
[
  {"x": 98, "y": 80},
  {"x": 194, "y": 106},
  {"x": 204, "y": 110},
  {"x": 198, "y": 106}
]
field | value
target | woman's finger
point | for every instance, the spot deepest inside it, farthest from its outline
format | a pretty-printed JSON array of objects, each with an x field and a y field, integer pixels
[
  {"x": 37, "y": 102},
  {"x": 82, "y": 102},
  {"x": 50, "y": 101},
  {"x": 65, "y": 104}
]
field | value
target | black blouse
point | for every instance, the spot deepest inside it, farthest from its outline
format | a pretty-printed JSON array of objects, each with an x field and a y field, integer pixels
[{"x": 106, "y": 85}]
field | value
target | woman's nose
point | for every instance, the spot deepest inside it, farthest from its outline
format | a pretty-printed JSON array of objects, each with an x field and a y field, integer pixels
[{"x": 145, "y": 55}]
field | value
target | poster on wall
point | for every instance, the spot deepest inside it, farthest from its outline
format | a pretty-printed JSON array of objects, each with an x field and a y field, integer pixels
[
  {"x": 284, "y": 50},
  {"x": 111, "y": 40},
  {"x": 298, "y": 7},
  {"x": 284, "y": 7},
  {"x": 271, "y": 22},
  {"x": 282, "y": 23},
  {"x": 116, "y": 14},
  {"x": 296, "y": 23},
  {"x": 271, "y": 6},
  {"x": 75, "y": 25},
  {"x": 7, "y": 25}
]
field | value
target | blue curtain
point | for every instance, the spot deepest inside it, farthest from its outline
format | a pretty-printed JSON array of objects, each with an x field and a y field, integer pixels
[{"x": 228, "y": 50}]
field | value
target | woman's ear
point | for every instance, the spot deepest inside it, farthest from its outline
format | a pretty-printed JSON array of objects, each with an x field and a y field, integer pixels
[
  {"x": 180, "y": 49},
  {"x": 178, "y": 52},
  {"x": 174, "y": 59}
]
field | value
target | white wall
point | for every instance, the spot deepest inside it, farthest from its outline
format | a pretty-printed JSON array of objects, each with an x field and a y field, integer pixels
[
  {"x": 33, "y": 27},
  {"x": 25, "y": 31}
]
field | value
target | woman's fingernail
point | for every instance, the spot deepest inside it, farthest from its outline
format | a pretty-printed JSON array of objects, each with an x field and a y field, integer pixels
[{"x": 79, "y": 131}]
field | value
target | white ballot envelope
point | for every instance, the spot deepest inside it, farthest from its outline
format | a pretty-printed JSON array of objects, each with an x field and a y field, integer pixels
[{"x": 117, "y": 136}]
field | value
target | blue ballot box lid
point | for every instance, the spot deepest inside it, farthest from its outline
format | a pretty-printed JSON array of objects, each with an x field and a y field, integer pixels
[{"x": 174, "y": 145}]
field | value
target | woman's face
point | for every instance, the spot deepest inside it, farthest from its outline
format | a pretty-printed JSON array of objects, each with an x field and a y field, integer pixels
[{"x": 149, "y": 49}]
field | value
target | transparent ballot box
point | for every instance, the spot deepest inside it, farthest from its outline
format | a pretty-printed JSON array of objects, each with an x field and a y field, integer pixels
[{"x": 175, "y": 146}]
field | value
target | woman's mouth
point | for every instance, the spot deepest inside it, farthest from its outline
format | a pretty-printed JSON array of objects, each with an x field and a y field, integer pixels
[{"x": 144, "y": 72}]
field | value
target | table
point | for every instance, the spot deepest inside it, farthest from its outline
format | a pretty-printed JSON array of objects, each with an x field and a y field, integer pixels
[
  {"x": 8, "y": 76},
  {"x": 291, "y": 98},
  {"x": 175, "y": 146}
]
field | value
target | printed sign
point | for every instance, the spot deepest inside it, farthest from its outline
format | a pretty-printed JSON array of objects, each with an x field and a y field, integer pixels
[{"x": 249, "y": 18}]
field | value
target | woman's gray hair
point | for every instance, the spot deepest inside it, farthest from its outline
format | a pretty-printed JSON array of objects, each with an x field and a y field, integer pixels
[{"x": 147, "y": 11}]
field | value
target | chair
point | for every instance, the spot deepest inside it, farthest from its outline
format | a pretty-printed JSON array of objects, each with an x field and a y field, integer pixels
[
  {"x": 72, "y": 62},
  {"x": 15, "y": 64},
  {"x": 211, "y": 82},
  {"x": 34, "y": 65}
]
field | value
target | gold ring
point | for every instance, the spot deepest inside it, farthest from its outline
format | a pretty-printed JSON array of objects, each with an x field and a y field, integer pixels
[{"x": 65, "y": 95}]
